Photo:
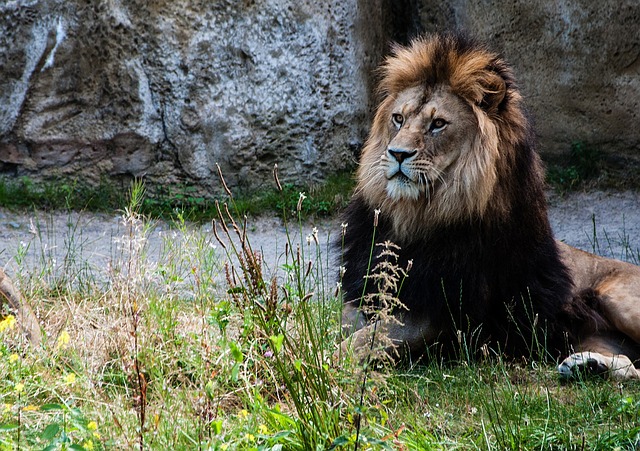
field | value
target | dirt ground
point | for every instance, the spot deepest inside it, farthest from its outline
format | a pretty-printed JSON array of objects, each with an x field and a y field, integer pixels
[{"x": 605, "y": 222}]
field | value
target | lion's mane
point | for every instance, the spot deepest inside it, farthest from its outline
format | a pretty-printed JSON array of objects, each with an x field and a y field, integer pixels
[{"x": 485, "y": 264}]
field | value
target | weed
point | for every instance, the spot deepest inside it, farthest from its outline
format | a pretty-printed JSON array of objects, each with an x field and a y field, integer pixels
[
  {"x": 172, "y": 202},
  {"x": 282, "y": 341},
  {"x": 584, "y": 164}
]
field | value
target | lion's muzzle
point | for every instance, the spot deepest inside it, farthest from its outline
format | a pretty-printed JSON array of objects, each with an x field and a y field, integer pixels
[
  {"x": 400, "y": 155},
  {"x": 396, "y": 156}
]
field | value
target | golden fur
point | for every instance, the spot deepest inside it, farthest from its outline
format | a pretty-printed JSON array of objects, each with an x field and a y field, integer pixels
[{"x": 450, "y": 168}]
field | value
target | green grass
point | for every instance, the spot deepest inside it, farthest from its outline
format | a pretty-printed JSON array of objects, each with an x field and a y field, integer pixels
[
  {"x": 209, "y": 347},
  {"x": 61, "y": 194},
  {"x": 585, "y": 167},
  {"x": 584, "y": 164},
  {"x": 174, "y": 201}
]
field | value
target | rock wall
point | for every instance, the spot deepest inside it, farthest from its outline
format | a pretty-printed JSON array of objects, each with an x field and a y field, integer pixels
[
  {"x": 168, "y": 89},
  {"x": 577, "y": 62}
]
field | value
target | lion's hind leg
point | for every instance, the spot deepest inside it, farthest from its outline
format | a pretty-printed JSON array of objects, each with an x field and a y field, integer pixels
[{"x": 605, "y": 315}]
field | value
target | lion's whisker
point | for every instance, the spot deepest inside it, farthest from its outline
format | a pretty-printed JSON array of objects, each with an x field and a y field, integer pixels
[
  {"x": 440, "y": 177},
  {"x": 424, "y": 183}
]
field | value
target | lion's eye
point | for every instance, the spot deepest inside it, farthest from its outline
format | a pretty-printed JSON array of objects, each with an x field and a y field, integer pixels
[
  {"x": 437, "y": 125},
  {"x": 397, "y": 119}
]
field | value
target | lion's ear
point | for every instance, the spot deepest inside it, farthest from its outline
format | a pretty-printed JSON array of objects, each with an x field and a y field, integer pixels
[{"x": 494, "y": 90}]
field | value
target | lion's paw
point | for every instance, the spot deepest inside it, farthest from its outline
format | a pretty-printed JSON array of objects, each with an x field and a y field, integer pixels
[{"x": 593, "y": 363}]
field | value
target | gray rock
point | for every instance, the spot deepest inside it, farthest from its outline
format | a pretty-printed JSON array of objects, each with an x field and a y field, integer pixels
[
  {"x": 577, "y": 62},
  {"x": 168, "y": 89}
]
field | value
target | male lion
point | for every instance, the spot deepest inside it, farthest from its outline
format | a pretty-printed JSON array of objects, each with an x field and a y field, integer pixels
[{"x": 450, "y": 174}]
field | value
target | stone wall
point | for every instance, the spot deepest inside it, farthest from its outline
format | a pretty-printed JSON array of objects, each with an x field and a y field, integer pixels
[
  {"x": 577, "y": 62},
  {"x": 166, "y": 89}
]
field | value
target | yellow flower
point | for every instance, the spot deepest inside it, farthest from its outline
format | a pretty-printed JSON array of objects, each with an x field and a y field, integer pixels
[
  {"x": 7, "y": 408},
  {"x": 250, "y": 438},
  {"x": 88, "y": 445},
  {"x": 13, "y": 358},
  {"x": 63, "y": 340},
  {"x": 19, "y": 387},
  {"x": 93, "y": 426},
  {"x": 243, "y": 413},
  {"x": 224, "y": 447},
  {"x": 9, "y": 322},
  {"x": 70, "y": 378},
  {"x": 262, "y": 429},
  {"x": 31, "y": 408}
]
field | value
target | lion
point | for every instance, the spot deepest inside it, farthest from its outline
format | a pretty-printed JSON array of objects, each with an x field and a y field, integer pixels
[{"x": 451, "y": 175}]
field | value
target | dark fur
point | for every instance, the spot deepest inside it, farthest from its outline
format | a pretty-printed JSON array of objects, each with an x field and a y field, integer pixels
[{"x": 483, "y": 279}]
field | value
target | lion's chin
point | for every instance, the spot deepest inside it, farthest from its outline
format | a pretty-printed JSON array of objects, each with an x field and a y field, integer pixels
[{"x": 400, "y": 188}]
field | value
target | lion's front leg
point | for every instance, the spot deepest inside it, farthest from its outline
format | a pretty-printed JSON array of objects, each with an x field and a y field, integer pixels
[
  {"x": 361, "y": 337},
  {"x": 618, "y": 367},
  {"x": 391, "y": 337}
]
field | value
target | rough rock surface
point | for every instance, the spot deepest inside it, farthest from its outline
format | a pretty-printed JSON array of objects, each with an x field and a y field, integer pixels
[
  {"x": 577, "y": 62},
  {"x": 166, "y": 89}
]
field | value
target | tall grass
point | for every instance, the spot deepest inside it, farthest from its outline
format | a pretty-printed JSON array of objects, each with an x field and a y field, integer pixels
[{"x": 205, "y": 345}]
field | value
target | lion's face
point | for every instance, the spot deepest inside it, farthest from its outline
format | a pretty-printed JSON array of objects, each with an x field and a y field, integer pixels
[
  {"x": 428, "y": 132},
  {"x": 444, "y": 138},
  {"x": 431, "y": 158}
]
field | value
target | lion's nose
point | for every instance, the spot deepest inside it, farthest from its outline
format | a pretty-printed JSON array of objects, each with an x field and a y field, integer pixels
[{"x": 401, "y": 154}]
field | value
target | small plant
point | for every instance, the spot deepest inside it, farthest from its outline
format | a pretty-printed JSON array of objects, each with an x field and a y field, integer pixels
[
  {"x": 379, "y": 305},
  {"x": 584, "y": 164},
  {"x": 68, "y": 429}
]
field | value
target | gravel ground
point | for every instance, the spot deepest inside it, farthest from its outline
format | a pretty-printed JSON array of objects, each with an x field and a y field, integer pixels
[
  {"x": 615, "y": 218},
  {"x": 607, "y": 223}
]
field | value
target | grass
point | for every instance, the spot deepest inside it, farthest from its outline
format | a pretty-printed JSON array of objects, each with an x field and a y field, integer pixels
[
  {"x": 584, "y": 164},
  {"x": 60, "y": 195},
  {"x": 586, "y": 167},
  {"x": 207, "y": 346},
  {"x": 173, "y": 202}
]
